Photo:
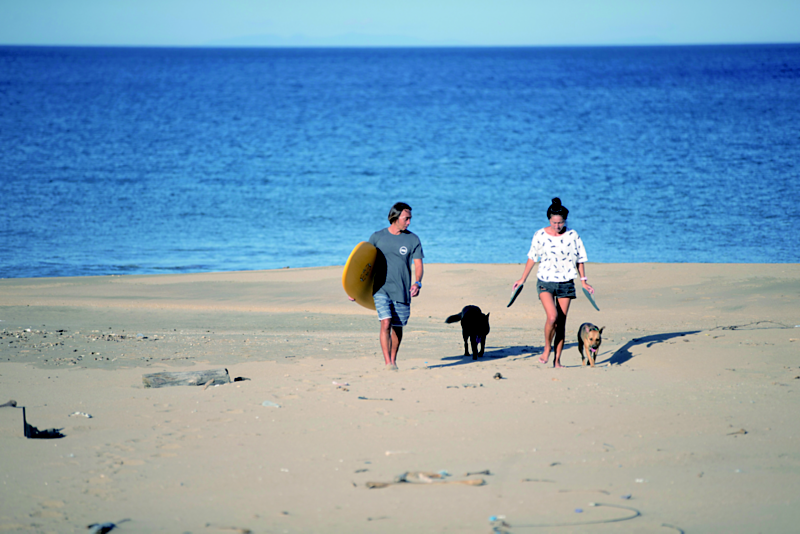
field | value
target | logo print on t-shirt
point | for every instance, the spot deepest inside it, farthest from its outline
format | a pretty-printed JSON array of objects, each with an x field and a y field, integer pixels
[{"x": 403, "y": 251}]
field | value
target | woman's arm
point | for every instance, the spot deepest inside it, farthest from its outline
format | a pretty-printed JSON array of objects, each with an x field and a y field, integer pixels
[
  {"x": 586, "y": 286},
  {"x": 525, "y": 273}
]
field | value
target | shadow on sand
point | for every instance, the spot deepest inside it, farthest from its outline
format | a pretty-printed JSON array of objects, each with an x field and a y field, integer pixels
[
  {"x": 623, "y": 354},
  {"x": 494, "y": 353},
  {"x": 620, "y": 356}
]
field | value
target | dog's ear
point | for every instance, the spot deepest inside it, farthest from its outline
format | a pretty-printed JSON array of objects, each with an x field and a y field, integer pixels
[{"x": 601, "y": 329}]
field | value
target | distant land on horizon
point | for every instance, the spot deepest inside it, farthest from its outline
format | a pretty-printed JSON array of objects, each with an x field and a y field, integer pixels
[
  {"x": 349, "y": 39},
  {"x": 369, "y": 40},
  {"x": 366, "y": 41},
  {"x": 354, "y": 40}
]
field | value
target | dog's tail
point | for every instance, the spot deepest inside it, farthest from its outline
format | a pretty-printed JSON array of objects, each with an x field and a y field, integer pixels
[{"x": 454, "y": 318}]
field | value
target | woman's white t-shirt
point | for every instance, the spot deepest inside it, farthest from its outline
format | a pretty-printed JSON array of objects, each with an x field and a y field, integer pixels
[{"x": 559, "y": 255}]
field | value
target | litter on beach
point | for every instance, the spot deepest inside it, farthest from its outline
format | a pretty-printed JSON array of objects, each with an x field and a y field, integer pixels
[{"x": 422, "y": 477}]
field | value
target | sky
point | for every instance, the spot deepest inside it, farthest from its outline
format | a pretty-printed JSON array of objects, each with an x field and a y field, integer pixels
[{"x": 397, "y": 22}]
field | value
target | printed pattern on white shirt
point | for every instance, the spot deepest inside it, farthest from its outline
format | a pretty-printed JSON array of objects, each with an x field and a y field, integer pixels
[{"x": 559, "y": 255}]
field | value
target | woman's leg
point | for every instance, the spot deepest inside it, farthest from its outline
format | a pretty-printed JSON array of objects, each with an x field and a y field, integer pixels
[
  {"x": 560, "y": 330},
  {"x": 549, "y": 304}
]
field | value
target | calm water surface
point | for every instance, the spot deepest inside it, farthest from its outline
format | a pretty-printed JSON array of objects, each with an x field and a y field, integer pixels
[{"x": 136, "y": 160}]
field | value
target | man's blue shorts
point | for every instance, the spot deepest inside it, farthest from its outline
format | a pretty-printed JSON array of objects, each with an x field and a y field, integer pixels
[{"x": 389, "y": 309}]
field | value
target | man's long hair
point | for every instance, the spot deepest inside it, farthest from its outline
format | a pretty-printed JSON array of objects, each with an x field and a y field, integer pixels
[{"x": 397, "y": 211}]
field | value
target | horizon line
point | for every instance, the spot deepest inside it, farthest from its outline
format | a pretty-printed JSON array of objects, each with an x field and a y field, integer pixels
[{"x": 401, "y": 46}]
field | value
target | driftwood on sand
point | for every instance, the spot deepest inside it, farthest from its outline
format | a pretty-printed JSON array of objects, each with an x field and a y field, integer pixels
[{"x": 186, "y": 378}]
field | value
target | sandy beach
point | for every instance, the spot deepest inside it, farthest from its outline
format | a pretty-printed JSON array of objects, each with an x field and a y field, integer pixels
[{"x": 687, "y": 424}]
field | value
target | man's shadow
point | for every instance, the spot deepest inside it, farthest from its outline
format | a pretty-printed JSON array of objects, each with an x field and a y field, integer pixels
[{"x": 623, "y": 354}]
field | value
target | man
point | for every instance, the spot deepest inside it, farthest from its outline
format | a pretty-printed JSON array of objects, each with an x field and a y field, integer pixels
[{"x": 392, "y": 294}]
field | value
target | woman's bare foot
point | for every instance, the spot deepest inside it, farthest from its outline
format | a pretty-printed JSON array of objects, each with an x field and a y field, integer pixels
[
  {"x": 543, "y": 358},
  {"x": 557, "y": 365}
]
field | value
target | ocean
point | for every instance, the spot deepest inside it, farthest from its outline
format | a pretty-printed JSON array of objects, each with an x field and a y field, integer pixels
[{"x": 168, "y": 160}]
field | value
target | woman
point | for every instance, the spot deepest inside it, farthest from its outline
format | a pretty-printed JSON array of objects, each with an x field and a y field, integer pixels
[{"x": 561, "y": 252}]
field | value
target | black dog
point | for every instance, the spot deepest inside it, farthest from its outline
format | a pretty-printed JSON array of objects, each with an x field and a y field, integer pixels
[{"x": 474, "y": 326}]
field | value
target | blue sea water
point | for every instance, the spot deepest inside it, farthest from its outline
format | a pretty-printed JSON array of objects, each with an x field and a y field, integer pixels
[{"x": 148, "y": 160}]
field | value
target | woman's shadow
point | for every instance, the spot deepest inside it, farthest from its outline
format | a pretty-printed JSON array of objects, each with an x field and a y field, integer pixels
[
  {"x": 623, "y": 354},
  {"x": 620, "y": 356}
]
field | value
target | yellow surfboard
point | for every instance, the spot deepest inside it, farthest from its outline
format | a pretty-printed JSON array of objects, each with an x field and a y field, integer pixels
[{"x": 358, "y": 274}]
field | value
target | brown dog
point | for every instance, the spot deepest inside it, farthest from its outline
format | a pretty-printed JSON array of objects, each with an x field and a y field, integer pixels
[{"x": 589, "y": 339}]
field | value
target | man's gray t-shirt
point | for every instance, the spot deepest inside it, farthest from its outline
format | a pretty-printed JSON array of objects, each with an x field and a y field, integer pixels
[{"x": 399, "y": 252}]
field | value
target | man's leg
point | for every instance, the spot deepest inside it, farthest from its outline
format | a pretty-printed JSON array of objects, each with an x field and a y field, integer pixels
[
  {"x": 387, "y": 337},
  {"x": 391, "y": 335},
  {"x": 397, "y": 337}
]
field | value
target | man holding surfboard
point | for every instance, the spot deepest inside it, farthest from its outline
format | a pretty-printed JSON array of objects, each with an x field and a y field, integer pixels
[{"x": 392, "y": 289}]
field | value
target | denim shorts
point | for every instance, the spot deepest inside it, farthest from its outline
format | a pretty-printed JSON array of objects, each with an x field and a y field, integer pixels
[
  {"x": 387, "y": 308},
  {"x": 559, "y": 290}
]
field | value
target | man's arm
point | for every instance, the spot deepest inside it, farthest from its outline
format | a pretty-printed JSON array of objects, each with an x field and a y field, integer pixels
[{"x": 418, "y": 272}]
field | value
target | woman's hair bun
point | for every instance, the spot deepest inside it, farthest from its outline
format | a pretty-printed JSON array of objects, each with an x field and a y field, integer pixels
[{"x": 557, "y": 209}]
